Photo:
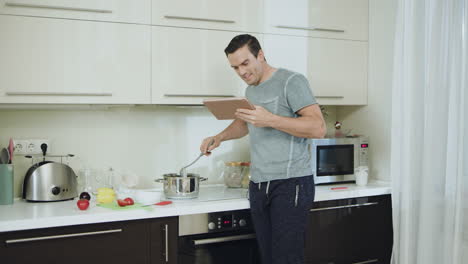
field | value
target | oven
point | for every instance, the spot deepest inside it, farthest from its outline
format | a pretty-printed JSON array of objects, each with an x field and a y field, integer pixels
[{"x": 220, "y": 237}]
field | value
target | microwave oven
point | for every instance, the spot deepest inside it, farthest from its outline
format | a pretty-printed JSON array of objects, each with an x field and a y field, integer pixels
[{"x": 335, "y": 159}]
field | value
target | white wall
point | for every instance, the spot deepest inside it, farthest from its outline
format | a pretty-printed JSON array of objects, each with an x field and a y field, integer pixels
[
  {"x": 146, "y": 141},
  {"x": 375, "y": 118}
]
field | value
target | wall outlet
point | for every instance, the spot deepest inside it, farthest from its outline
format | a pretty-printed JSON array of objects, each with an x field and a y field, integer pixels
[
  {"x": 19, "y": 146},
  {"x": 30, "y": 146}
]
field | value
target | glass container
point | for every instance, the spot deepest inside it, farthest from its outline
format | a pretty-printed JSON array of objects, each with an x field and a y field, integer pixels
[
  {"x": 245, "y": 175},
  {"x": 232, "y": 174}
]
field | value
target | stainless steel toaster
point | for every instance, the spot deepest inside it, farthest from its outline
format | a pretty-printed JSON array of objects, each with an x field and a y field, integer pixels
[{"x": 49, "y": 181}]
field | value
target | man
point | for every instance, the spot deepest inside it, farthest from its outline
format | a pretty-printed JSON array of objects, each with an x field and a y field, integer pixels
[{"x": 286, "y": 115}]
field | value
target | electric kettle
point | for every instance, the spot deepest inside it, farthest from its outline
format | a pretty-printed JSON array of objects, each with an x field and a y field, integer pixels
[{"x": 48, "y": 181}]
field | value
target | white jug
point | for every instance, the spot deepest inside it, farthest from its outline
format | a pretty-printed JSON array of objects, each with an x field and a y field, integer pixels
[{"x": 362, "y": 175}]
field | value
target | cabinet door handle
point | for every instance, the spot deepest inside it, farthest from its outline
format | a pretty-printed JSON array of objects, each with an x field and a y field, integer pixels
[
  {"x": 166, "y": 240},
  {"x": 199, "y": 95},
  {"x": 312, "y": 28},
  {"x": 367, "y": 261},
  {"x": 79, "y": 9},
  {"x": 201, "y": 19},
  {"x": 55, "y": 94},
  {"x": 342, "y": 207},
  {"x": 29, "y": 239},
  {"x": 330, "y": 96},
  {"x": 222, "y": 239}
]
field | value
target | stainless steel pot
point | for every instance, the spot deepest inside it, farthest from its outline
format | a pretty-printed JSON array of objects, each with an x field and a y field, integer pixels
[{"x": 177, "y": 187}]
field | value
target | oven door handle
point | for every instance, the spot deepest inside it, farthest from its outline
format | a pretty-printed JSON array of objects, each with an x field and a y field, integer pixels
[{"x": 222, "y": 239}]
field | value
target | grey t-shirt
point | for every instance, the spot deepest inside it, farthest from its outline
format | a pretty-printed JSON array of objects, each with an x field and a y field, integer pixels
[{"x": 275, "y": 154}]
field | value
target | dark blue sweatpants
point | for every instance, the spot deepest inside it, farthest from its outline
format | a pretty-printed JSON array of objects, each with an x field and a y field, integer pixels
[{"x": 279, "y": 213}]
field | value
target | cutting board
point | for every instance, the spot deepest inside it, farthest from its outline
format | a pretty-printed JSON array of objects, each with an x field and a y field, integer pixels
[{"x": 115, "y": 206}]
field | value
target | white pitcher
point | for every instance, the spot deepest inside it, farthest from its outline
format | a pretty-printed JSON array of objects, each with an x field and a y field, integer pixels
[{"x": 362, "y": 175}]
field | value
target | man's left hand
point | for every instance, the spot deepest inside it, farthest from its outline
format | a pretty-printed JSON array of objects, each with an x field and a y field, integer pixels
[{"x": 260, "y": 117}]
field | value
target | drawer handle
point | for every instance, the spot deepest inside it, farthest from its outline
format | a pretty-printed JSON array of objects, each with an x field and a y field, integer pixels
[
  {"x": 330, "y": 96},
  {"x": 29, "y": 239},
  {"x": 58, "y": 7},
  {"x": 313, "y": 29},
  {"x": 367, "y": 261},
  {"x": 198, "y": 95},
  {"x": 166, "y": 240},
  {"x": 201, "y": 19},
  {"x": 342, "y": 207},
  {"x": 55, "y": 94},
  {"x": 222, "y": 239}
]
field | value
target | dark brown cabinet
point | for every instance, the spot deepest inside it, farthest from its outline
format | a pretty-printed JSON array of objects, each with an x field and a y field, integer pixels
[
  {"x": 347, "y": 231},
  {"x": 163, "y": 241},
  {"x": 136, "y": 242}
]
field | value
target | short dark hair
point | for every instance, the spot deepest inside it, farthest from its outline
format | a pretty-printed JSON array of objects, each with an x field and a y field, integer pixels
[{"x": 240, "y": 41}]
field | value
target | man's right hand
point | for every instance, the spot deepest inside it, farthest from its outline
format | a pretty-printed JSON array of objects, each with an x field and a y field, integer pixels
[{"x": 208, "y": 144}]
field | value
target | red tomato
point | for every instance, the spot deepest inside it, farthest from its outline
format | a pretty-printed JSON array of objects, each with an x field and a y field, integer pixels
[
  {"x": 129, "y": 201},
  {"x": 122, "y": 202},
  {"x": 83, "y": 204}
]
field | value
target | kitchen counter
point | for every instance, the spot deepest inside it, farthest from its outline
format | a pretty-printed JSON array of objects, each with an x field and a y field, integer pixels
[{"x": 213, "y": 198}]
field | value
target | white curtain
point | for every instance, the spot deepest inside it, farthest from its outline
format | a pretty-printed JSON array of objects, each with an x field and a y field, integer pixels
[{"x": 429, "y": 160}]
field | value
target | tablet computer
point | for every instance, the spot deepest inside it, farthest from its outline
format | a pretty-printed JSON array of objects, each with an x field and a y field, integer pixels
[{"x": 225, "y": 108}]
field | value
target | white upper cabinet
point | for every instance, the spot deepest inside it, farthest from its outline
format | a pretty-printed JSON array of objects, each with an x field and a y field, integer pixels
[
  {"x": 338, "y": 19},
  {"x": 135, "y": 11},
  {"x": 70, "y": 61},
  {"x": 336, "y": 69},
  {"x": 241, "y": 15},
  {"x": 189, "y": 65}
]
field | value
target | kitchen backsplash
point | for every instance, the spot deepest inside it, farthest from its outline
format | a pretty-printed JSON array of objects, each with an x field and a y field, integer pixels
[{"x": 146, "y": 141}]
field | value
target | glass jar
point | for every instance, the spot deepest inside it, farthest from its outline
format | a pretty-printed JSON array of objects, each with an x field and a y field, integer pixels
[
  {"x": 232, "y": 174},
  {"x": 245, "y": 175}
]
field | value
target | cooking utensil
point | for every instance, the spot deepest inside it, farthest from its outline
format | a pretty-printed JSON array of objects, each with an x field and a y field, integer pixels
[
  {"x": 11, "y": 149},
  {"x": 178, "y": 187},
  {"x": 160, "y": 203},
  {"x": 182, "y": 171},
  {"x": 163, "y": 203},
  {"x": 4, "y": 156}
]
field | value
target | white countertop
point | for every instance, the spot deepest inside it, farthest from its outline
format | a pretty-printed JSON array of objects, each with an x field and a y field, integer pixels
[
  {"x": 213, "y": 198},
  {"x": 351, "y": 190}
]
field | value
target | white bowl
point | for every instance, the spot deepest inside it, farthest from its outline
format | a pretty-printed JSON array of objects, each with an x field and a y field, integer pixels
[{"x": 147, "y": 196}]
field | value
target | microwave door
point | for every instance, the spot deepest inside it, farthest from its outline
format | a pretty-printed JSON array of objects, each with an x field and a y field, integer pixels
[{"x": 334, "y": 163}]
